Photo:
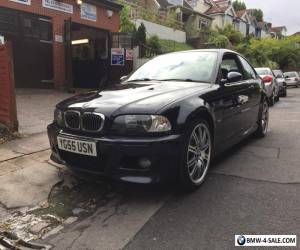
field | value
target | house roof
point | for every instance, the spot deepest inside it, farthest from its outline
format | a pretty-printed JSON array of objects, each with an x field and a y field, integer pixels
[
  {"x": 278, "y": 29},
  {"x": 296, "y": 34}
]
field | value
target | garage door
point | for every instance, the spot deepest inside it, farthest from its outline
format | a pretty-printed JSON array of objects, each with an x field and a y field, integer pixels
[{"x": 31, "y": 36}]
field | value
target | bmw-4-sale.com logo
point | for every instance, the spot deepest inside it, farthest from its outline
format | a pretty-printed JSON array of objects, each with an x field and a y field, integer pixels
[{"x": 241, "y": 240}]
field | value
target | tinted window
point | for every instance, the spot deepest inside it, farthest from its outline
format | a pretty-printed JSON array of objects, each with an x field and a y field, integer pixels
[
  {"x": 229, "y": 64},
  {"x": 195, "y": 66},
  {"x": 248, "y": 70}
]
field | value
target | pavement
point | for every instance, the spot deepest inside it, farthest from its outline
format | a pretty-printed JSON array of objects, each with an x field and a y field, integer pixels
[
  {"x": 252, "y": 188},
  {"x": 35, "y": 108}
]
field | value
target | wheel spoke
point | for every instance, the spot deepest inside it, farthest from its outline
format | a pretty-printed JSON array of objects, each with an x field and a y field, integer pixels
[
  {"x": 195, "y": 137},
  {"x": 192, "y": 149},
  {"x": 198, "y": 153}
]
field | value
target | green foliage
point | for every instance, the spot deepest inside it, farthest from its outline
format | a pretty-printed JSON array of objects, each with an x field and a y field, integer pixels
[
  {"x": 216, "y": 40},
  {"x": 125, "y": 24},
  {"x": 239, "y": 5},
  {"x": 235, "y": 37},
  {"x": 274, "y": 53},
  {"x": 140, "y": 35},
  {"x": 154, "y": 44},
  {"x": 259, "y": 15},
  {"x": 172, "y": 46}
]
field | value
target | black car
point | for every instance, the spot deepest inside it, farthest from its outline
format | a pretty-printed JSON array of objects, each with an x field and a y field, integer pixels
[{"x": 165, "y": 122}]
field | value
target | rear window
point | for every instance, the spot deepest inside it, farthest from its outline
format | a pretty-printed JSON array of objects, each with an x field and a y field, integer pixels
[
  {"x": 290, "y": 74},
  {"x": 277, "y": 73},
  {"x": 262, "y": 72}
]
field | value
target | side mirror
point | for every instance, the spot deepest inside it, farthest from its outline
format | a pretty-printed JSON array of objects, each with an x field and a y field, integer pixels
[
  {"x": 123, "y": 78},
  {"x": 286, "y": 77},
  {"x": 234, "y": 77}
]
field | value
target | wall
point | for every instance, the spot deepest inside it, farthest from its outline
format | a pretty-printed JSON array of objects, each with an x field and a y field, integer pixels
[
  {"x": 243, "y": 28},
  {"x": 218, "y": 21},
  {"x": 8, "y": 111},
  {"x": 58, "y": 19},
  {"x": 162, "y": 32}
]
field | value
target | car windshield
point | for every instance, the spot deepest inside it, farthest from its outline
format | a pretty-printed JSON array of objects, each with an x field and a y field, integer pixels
[
  {"x": 263, "y": 72},
  {"x": 187, "y": 66},
  {"x": 290, "y": 74}
]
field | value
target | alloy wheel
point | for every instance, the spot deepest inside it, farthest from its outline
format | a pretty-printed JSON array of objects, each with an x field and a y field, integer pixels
[
  {"x": 199, "y": 153},
  {"x": 265, "y": 117}
]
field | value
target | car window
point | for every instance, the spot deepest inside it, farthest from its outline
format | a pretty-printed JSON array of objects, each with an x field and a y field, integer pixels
[
  {"x": 249, "y": 73},
  {"x": 290, "y": 74},
  {"x": 278, "y": 73},
  {"x": 185, "y": 66},
  {"x": 263, "y": 72},
  {"x": 230, "y": 64}
]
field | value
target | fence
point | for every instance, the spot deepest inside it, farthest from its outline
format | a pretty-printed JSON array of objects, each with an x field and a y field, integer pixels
[{"x": 8, "y": 110}]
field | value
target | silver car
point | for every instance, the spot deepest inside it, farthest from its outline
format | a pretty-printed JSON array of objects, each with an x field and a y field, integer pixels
[
  {"x": 281, "y": 81},
  {"x": 292, "y": 78},
  {"x": 271, "y": 84}
]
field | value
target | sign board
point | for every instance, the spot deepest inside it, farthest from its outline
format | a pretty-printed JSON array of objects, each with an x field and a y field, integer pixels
[
  {"x": 58, "y": 39},
  {"x": 88, "y": 12},
  {"x": 27, "y": 2},
  {"x": 129, "y": 54},
  {"x": 56, "y": 5},
  {"x": 117, "y": 57},
  {"x": 1, "y": 39}
]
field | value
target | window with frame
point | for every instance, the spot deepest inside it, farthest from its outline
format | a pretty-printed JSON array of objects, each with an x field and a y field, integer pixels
[
  {"x": 229, "y": 64},
  {"x": 249, "y": 73}
]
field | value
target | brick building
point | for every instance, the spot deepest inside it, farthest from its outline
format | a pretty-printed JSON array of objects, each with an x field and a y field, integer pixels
[{"x": 57, "y": 43}]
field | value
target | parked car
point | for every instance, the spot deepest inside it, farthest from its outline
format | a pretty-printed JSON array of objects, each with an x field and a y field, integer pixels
[
  {"x": 271, "y": 84},
  {"x": 281, "y": 81},
  {"x": 165, "y": 122},
  {"x": 292, "y": 79}
]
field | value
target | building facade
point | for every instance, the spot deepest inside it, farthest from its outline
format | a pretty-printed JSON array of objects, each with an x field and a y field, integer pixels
[{"x": 51, "y": 37}]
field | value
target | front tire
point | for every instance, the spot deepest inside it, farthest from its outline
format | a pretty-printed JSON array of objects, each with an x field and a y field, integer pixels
[
  {"x": 196, "y": 155},
  {"x": 263, "y": 120}
]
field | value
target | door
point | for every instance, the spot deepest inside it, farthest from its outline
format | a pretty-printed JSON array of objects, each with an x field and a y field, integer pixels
[
  {"x": 31, "y": 36},
  {"x": 251, "y": 108},
  {"x": 235, "y": 99}
]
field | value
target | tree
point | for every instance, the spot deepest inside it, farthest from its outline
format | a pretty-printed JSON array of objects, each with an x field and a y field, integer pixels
[
  {"x": 235, "y": 37},
  {"x": 140, "y": 35},
  {"x": 239, "y": 5},
  {"x": 125, "y": 24},
  {"x": 259, "y": 15}
]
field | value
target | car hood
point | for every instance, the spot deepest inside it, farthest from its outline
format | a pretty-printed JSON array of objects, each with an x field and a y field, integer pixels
[{"x": 139, "y": 97}]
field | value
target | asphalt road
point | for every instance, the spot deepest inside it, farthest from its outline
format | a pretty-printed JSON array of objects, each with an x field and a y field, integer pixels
[{"x": 252, "y": 189}]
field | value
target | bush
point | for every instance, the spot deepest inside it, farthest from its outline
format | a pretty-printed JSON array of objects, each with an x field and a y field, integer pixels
[
  {"x": 235, "y": 37},
  {"x": 218, "y": 41},
  {"x": 154, "y": 44}
]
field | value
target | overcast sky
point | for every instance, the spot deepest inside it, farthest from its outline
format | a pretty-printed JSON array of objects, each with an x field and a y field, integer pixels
[{"x": 279, "y": 12}]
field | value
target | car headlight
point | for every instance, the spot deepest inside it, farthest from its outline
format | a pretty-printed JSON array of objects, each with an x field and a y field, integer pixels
[
  {"x": 58, "y": 117},
  {"x": 141, "y": 124}
]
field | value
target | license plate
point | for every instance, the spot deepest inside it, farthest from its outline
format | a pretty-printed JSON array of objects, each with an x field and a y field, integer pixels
[{"x": 77, "y": 146}]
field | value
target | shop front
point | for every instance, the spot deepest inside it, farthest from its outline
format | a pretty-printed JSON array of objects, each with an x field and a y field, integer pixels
[{"x": 60, "y": 44}]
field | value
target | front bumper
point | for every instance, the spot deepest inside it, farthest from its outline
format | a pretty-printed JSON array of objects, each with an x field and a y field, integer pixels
[{"x": 120, "y": 158}]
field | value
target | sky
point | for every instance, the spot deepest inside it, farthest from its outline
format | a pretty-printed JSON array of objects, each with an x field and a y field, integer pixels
[{"x": 279, "y": 12}]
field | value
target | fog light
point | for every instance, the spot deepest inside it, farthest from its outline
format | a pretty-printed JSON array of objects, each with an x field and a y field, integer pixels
[{"x": 144, "y": 163}]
